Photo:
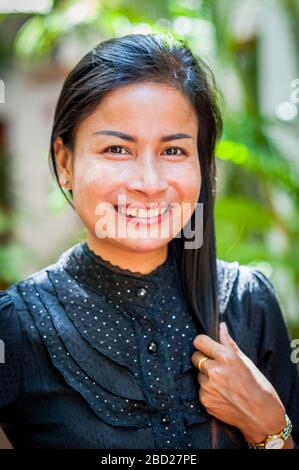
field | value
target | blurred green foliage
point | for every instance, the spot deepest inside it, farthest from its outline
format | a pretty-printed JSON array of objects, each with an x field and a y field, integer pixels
[{"x": 257, "y": 205}]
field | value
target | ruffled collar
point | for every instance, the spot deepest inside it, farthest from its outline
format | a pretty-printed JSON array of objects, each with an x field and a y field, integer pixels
[
  {"x": 99, "y": 264},
  {"x": 114, "y": 282}
]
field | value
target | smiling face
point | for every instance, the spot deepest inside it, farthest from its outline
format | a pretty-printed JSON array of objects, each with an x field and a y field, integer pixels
[{"x": 140, "y": 143}]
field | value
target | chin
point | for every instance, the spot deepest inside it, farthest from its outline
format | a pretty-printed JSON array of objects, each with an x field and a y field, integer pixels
[{"x": 142, "y": 245}]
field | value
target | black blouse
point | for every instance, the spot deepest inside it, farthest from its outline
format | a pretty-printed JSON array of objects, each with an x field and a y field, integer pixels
[{"x": 97, "y": 356}]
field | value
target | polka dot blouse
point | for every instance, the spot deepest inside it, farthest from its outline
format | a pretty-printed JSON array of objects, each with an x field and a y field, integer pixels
[{"x": 96, "y": 356}]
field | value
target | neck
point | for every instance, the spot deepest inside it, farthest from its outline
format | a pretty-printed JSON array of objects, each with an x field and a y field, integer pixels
[{"x": 142, "y": 262}]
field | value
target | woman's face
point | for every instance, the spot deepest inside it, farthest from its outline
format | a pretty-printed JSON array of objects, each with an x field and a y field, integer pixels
[{"x": 138, "y": 148}]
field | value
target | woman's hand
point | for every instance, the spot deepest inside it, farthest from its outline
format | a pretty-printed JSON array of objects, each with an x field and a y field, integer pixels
[{"x": 234, "y": 390}]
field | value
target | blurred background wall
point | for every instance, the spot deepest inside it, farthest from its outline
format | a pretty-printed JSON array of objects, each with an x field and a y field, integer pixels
[{"x": 253, "y": 48}]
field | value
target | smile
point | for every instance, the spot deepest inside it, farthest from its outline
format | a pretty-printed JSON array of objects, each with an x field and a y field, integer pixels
[{"x": 141, "y": 215}]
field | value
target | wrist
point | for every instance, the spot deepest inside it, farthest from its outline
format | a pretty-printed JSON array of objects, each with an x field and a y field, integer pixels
[
  {"x": 257, "y": 432},
  {"x": 278, "y": 440},
  {"x": 289, "y": 444}
]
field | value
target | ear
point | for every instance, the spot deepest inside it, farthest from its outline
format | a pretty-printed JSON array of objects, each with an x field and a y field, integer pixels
[{"x": 64, "y": 163}]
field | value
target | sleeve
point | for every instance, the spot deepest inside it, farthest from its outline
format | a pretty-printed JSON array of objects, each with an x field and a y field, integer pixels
[
  {"x": 10, "y": 359},
  {"x": 276, "y": 359}
]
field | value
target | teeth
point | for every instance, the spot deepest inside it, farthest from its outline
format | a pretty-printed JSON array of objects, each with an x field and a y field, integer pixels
[
  {"x": 153, "y": 212},
  {"x": 132, "y": 212},
  {"x": 122, "y": 210},
  {"x": 142, "y": 213}
]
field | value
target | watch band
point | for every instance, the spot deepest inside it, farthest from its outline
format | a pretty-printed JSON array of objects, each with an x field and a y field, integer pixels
[{"x": 284, "y": 434}]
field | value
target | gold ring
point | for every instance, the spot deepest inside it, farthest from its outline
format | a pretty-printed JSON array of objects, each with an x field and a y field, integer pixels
[{"x": 200, "y": 362}]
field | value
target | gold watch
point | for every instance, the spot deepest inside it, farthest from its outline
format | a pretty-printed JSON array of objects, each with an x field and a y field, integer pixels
[{"x": 275, "y": 441}]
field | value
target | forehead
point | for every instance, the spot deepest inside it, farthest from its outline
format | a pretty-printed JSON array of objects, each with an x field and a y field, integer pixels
[{"x": 148, "y": 109}]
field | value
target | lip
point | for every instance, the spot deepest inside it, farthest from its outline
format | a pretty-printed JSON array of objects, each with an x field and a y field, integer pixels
[
  {"x": 151, "y": 205},
  {"x": 145, "y": 220}
]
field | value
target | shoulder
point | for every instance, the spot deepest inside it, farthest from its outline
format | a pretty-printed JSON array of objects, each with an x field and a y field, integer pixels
[
  {"x": 252, "y": 310},
  {"x": 245, "y": 285},
  {"x": 13, "y": 299},
  {"x": 14, "y": 296},
  {"x": 256, "y": 321},
  {"x": 9, "y": 324},
  {"x": 6, "y": 305},
  {"x": 17, "y": 300},
  {"x": 11, "y": 351},
  {"x": 21, "y": 344}
]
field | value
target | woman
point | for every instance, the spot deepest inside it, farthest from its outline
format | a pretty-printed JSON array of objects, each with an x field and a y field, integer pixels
[{"x": 133, "y": 338}]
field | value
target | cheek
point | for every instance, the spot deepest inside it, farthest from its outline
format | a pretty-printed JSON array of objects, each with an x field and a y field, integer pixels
[
  {"x": 93, "y": 185},
  {"x": 94, "y": 182},
  {"x": 189, "y": 184}
]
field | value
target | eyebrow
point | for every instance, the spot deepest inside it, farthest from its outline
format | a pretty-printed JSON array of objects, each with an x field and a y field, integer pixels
[{"x": 130, "y": 138}]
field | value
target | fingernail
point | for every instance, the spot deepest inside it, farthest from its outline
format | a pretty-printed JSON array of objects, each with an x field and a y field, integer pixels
[{"x": 223, "y": 326}]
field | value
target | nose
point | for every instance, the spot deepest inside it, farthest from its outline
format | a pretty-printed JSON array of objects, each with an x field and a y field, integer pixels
[{"x": 148, "y": 178}]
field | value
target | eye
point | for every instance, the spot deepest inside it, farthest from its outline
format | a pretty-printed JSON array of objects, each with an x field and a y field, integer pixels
[
  {"x": 175, "y": 149},
  {"x": 115, "y": 149}
]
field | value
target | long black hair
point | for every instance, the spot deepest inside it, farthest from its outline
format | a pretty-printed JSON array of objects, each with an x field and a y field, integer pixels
[{"x": 163, "y": 59}]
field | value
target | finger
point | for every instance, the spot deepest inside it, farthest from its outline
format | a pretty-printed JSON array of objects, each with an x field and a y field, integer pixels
[
  {"x": 203, "y": 380},
  {"x": 225, "y": 338},
  {"x": 202, "y": 365},
  {"x": 208, "y": 346},
  {"x": 196, "y": 357}
]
